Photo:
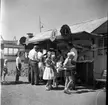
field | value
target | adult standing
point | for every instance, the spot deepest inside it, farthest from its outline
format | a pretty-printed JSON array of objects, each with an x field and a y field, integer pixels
[
  {"x": 18, "y": 66},
  {"x": 33, "y": 57}
]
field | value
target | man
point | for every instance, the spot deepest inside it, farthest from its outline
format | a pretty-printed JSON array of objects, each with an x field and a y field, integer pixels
[
  {"x": 33, "y": 56},
  {"x": 18, "y": 67}
]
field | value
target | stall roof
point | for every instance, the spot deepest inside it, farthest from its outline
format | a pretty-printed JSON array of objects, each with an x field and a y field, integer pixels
[
  {"x": 88, "y": 26},
  {"x": 76, "y": 29}
]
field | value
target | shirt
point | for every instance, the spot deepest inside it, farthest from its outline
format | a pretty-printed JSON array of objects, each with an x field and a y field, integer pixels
[
  {"x": 33, "y": 55},
  {"x": 18, "y": 61},
  {"x": 40, "y": 55},
  {"x": 68, "y": 64}
]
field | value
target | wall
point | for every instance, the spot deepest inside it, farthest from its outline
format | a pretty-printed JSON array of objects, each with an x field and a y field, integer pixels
[{"x": 100, "y": 61}]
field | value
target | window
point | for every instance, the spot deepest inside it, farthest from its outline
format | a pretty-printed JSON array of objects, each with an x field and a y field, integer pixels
[
  {"x": 15, "y": 51},
  {"x": 102, "y": 43},
  {"x": 10, "y": 51},
  {"x": 105, "y": 42},
  {"x": 5, "y": 51}
]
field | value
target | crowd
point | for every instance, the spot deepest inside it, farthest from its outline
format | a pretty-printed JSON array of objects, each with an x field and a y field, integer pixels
[{"x": 48, "y": 67}]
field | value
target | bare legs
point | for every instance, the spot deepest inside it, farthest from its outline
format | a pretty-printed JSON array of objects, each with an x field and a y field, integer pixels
[
  {"x": 68, "y": 83},
  {"x": 48, "y": 85}
]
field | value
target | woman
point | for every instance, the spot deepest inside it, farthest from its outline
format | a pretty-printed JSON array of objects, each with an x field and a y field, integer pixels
[
  {"x": 18, "y": 66},
  {"x": 48, "y": 72}
]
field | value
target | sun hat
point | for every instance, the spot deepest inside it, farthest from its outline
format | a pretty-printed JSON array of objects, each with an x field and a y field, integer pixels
[{"x": 71, "y": 54}]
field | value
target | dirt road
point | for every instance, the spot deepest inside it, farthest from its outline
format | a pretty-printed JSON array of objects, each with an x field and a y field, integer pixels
[{"x": 26, "y": 94}]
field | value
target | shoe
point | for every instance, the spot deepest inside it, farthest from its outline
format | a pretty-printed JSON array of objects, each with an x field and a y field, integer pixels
[
  {"x": 48, "y": 89},
  {"x": 67, "y": 92}
]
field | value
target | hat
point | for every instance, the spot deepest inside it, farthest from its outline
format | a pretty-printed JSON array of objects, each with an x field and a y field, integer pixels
[
  {"x": 53, "y": 56},
  {"x": 71, "y": 54},
  {"x": 36, "y": 47}
]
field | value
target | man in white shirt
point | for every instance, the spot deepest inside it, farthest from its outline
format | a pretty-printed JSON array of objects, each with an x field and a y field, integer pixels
[{"x": 33, "y": 57}]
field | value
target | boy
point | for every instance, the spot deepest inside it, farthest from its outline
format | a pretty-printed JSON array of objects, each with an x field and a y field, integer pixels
[{"x": 5, "y": 69}]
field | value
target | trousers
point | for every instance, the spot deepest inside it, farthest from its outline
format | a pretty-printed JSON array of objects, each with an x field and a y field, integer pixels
[{"x": 34, "y": 72}]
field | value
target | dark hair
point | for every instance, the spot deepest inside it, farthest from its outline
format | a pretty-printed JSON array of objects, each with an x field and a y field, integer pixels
[{"x": 18, "y": 53}]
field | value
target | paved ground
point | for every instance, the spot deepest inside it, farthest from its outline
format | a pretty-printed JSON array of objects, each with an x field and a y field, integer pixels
[{"x": 26, "y": 94}]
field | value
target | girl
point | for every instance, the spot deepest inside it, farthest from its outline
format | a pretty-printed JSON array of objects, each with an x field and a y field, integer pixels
[
  {"x": 5, "y": 69},
  {"x": 48, "y": 72},
  {"x": 68, "y": 66},
  {"x": 54, "y": 69}
]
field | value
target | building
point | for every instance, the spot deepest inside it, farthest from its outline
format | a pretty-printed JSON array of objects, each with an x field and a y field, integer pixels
[
  {"x": 10, "y": 49},
  {"x": 90, "y": 35}
]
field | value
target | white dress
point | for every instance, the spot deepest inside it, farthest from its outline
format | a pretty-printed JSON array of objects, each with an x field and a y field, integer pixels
[{"x": 48, "y": 72}]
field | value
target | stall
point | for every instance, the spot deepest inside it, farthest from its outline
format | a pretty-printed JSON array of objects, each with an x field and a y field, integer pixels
[{"x": 84, "y": 39}]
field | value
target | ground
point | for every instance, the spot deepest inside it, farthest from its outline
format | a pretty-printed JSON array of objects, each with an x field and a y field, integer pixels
[{"x": 26, "y": 94}]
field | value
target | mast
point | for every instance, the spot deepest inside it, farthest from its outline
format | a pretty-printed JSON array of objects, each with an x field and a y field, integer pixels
[{"x": 39, "y": 23}]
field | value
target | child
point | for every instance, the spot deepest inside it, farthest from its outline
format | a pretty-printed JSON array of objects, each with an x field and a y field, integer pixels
[
  {"x": 54, "y": 69},
  {"x": 68, "y": 66},
  {"x": 41, "y": 67},
  {"x": 5, "y": 69},
  {"x": 48, "y": 72}
]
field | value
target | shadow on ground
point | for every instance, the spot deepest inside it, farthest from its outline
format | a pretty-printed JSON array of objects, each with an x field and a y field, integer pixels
[{"x": 13, "y": 83}]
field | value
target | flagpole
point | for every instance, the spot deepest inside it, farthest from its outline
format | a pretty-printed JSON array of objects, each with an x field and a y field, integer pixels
[{"x": 39, "y": 23}]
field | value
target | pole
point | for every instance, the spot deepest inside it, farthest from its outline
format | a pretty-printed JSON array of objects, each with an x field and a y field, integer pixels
[{"x": 39, "y": 23}]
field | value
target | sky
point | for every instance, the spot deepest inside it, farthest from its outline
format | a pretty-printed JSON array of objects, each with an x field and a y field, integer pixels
[{"x": 19, "y": 17}]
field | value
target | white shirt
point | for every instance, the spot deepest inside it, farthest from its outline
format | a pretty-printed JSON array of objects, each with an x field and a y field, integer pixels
[
  {"x": 40, "y": 55},
  {"x": 18, "y": 60},
  {"x": 33, "y": 55}
]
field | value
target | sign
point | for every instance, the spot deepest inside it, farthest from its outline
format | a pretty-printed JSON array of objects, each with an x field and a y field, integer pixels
[
  {"x": 53, "y": 35},
  {"x": 65, "y": 30}
]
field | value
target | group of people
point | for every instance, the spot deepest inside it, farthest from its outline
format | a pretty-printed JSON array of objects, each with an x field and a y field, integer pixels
[
  {"x": 4, "y": 69},
  {"x": 48, "y": 67}
]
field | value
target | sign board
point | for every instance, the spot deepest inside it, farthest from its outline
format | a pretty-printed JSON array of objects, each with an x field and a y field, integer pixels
[{"x": 53, "y": 35}]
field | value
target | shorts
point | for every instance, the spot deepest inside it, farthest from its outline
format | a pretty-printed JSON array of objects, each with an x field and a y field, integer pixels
[{"x": 68, "y": 73}]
